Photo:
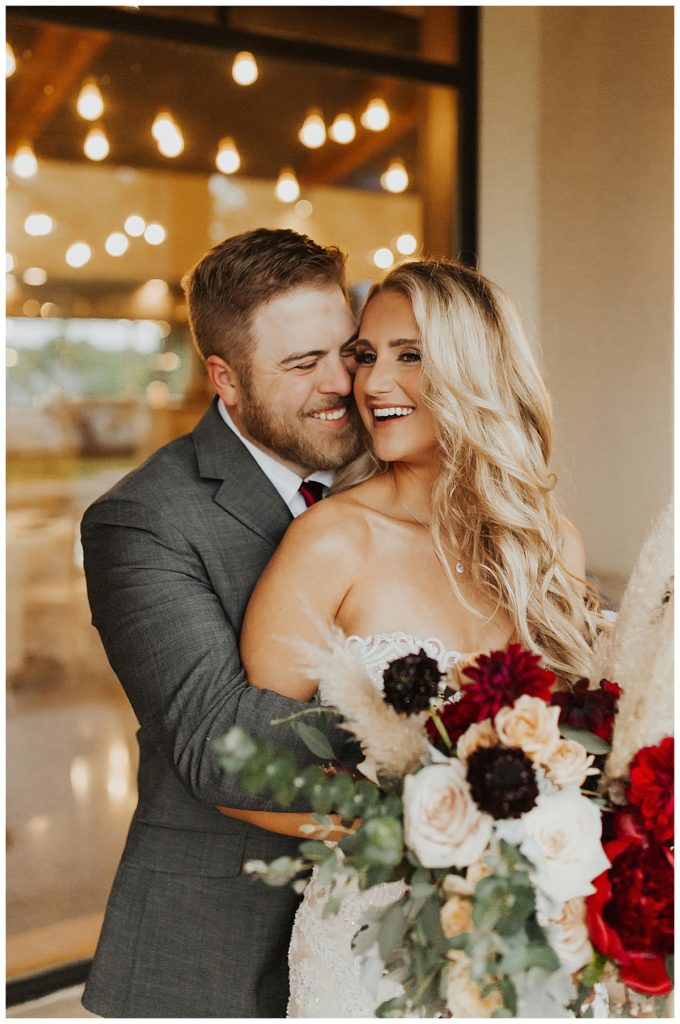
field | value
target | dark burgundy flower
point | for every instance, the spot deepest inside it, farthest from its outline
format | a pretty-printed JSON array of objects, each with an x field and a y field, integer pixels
[
  {"x": 652, "y": 788},
  {"x": 411, "y": 682},
  {"x": 502, "y": 781},
  {"x": 592, "y": 710},
  {"x": 500, "y": 678},
  {"x": 630, "y": 915}
]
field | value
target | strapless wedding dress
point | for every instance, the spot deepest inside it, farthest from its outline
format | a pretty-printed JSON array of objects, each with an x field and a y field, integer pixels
[{"x": 325, "y": 976}]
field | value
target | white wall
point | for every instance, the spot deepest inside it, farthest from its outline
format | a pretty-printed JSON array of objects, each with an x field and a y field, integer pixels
[{"x": 577, "y": 224}]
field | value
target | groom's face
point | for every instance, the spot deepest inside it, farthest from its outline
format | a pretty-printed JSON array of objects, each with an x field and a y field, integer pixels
[{"x": 295, "y": 398}]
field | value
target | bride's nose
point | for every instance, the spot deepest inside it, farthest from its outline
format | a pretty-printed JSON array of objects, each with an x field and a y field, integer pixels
[{"x": 380, "y": 379}]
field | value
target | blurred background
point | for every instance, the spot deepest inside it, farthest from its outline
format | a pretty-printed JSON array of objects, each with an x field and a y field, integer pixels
[{"x": 534, "y": 141}]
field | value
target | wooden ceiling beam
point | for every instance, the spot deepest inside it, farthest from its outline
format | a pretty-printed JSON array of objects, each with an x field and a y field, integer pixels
[{"x": 60, "y": 59}]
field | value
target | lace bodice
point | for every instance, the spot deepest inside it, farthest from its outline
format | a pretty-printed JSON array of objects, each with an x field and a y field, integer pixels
[{"x": 379, "y": 649}]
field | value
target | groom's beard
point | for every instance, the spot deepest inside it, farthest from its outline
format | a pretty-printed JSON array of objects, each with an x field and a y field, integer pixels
[{"x": 306, "y": 441}]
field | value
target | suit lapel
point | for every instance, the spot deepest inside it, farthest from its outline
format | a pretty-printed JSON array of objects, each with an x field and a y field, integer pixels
[{"x": 246, "y": 493}]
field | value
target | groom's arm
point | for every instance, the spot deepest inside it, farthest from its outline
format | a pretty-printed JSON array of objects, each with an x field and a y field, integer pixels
[{"x": 173, "y": 648}]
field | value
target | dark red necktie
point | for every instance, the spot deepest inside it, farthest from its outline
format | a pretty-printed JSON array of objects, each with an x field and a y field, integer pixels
[{"x": 311, "y": 491}]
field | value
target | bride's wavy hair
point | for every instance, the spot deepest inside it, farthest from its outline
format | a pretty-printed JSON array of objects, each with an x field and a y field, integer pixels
[{"x": 492, "y": 500}]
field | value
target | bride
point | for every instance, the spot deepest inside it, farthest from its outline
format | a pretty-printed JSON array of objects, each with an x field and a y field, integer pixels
[{"x": 443, "y": 535}]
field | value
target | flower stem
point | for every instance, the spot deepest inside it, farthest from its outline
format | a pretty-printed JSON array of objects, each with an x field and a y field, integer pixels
[{"x": 440, "y": 729}]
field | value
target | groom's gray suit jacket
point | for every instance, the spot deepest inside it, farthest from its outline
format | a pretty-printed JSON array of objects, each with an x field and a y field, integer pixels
[{"x": 172, "y": 554}]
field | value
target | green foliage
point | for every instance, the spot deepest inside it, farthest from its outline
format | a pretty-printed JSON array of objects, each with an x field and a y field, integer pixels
[
  {"x": 593, "y": 971},
  {"x": 314, "y": 739},
  {"x": 593, "y": 744}
]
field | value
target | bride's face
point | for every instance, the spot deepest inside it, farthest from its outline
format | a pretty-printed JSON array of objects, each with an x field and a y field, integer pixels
[{"x": 387, "y": 384}]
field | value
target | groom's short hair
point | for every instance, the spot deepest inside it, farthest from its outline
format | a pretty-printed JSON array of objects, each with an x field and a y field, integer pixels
[{"x": 228, "y": 284}]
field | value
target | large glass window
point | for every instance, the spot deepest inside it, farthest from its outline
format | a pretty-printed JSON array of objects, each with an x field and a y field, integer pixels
[{"x": 130, "y": 155}]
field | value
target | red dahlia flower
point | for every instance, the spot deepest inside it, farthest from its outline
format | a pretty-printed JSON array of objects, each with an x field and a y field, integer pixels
[
  {"x": 630, "y": 915},
  {"x": 651, "y": 788},
  {"x": 500, "y": 678},
  {"x": 592, "y": 710}
]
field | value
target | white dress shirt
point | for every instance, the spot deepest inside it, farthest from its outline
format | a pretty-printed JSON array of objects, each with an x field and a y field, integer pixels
[{"x": 286, "y": 482}]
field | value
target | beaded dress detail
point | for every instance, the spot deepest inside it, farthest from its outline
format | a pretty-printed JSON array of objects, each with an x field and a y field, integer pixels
[{"x": 325, "y": 976}]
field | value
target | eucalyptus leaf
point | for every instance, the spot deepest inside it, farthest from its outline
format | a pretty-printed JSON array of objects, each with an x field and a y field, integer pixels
[
  {"x": 593, "y": 744},
  {"x": 314, "y": 739},
  {"x": 592, "y": 973},
  {"x": 670, "y": 967},
  {"x": 392, "y": 927}
]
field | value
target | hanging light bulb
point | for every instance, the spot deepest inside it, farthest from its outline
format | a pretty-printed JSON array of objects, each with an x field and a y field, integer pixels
[
  {"x": 287, "y": 188},
  {"x": 154, "y": 234},
  {"x": 227, "y": 160},
  {"x": 96, "y": 145},
  {"x": 376, "y": 116},
  {"x": 383, "y": 258},
  {"x": 342, "y": 130},
  {"x": 395, "y": 178},
  {"x": 24, "y": 163},
  {"x": 244, "y": 69},
  {"x": 37, "y": 224},
  {"x": 171, "y": 144},
  {"x": 11, "y": 65},
  {"x": 134, "y": 225},
  {"x": 116, "y": 244},
  {"x": 407, "y": 244},
  {"x": 163, "y": 124},
  {"x": 313, "y": 131},
  {"x": 78, "y": 254},
  {"x": 90, "y": 104}
]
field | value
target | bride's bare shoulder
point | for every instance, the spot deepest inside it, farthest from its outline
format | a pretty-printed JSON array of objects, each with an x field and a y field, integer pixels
[{"x": 338, "y": 525}]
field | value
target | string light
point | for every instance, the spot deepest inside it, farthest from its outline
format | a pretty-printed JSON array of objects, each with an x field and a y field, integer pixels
[
  {"x": 9, "y": 262},
  {"x": 287, "y": 188},
  {"x": 37, "y": 224},
  {"x": 134, "y": 225},
  {"x": 11, "y": 64},
  {"x": 395, "y": 178},
  {"x": 167, "y": 134},
  {"x": 78, "y": 254},
  {"x": 24, "y": 163},
  {"x": 96, "y": 145},
  {"x": 116, "y": 244},
  {"x": 383, "y": 258},
  {"x": 244, "y": 69},
  {"x": 304, "y": 208},
  {"x": 343, "y": 129},
  {"x": 313, "y": 131},
  {"x": 154, "y": 234},
  {"x": 376, "y": 116},
  {"x": 90, "y": 104},
  {"x": 407, "y": 244},
  {"x": 227, "y": 160},
  {"x": 34, "y": 276}
]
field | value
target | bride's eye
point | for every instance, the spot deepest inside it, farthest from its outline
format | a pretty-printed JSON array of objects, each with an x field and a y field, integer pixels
[
  {"x": 411, "y": 356},
  {"x": 364, "y": 357}
]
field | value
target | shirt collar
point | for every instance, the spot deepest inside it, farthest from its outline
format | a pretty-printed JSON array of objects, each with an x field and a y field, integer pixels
[{"x": 285, "y": 480}]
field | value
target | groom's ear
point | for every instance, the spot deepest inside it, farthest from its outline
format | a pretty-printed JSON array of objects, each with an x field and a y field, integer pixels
[{"x": 224, "y": 379}]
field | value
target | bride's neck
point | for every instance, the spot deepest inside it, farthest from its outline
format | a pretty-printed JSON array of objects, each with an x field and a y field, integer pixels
[{"x": 413, "y": 487}]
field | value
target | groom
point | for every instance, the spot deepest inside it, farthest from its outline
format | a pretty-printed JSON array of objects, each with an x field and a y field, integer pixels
[{"x": 172, "y": 554}]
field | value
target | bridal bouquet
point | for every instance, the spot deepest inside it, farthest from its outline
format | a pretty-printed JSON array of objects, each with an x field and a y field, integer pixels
[{"x": 485, "y": 806}]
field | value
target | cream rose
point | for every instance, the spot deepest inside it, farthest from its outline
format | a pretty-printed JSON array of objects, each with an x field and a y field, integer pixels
[
  {"x": 531, "y": 725},
  {"x": 442, "y": 823},
  {"x": 479, "y": 734},
  {"x": 570, "y": 935},
  {"x": 563, "y": 843},
  {"x": 569, "y": 764},
  {"x": 456, "y": 916},
  {"x": 463, "y": 996},
  {"x": 465, "y": 885}
]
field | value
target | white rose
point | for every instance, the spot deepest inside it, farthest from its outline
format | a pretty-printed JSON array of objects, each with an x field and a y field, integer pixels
[
  {"x": 531, "y": 725},
  {"x": 563, "y": 843},
  {"x": 569, "y": 764},
  {"x": 569, "y": 935},
  {"x": 442, "y": 823}
]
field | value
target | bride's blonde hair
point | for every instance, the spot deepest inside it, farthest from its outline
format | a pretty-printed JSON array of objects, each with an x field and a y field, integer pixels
[{"x": 492, "y": 500}]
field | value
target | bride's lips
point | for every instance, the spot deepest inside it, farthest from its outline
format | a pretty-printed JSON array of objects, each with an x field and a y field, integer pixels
[
  {"x": 336, "y": 417},
  {"x": 384, "y": 416}
]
